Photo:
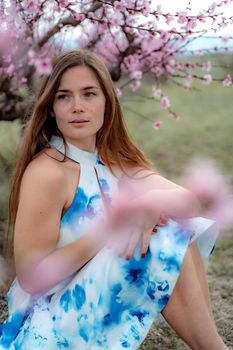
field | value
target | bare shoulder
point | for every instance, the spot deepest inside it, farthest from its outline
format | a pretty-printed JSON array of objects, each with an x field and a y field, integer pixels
[
  {"x": 46, "y": 170},
  {"x": 50, "y": 173}
]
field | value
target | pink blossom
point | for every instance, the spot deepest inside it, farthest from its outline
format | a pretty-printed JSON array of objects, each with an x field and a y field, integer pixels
[
  {"x": 212, "y": 7},
  {"x": 117, "y": 19},
  {"x": 169, "y": 18},
  {"x": 150, "y": 44},
  {"x": 10, "y": 69},
  {"x": 188, "y": 82},
  {"x": 207, "y": 66},
  {"x": 135, "y": 85},
  {"x": 120, "y": 5},
  {"x": 131, "y": 62},
  {"x": 182, "y": 17},
  {"x": 191, "y": 23},
  {"x": 207, "y": 79},
  {"x": 43, "y": 66},
  {"x": 158, "y": 70},
  {"x": 164, "y": 36},
  {"x": 157, "y": 124},
  {"x": 157, "y": 92},
  {"x": 227, "y": 81},
  {"x": 191, "y": 65},
  {"x": 64, "y": 3},
  {"x": 118, "y": 92},
  {"x": 137, "y": 75},
  {"x": 169, "y": 69},
  {"x": 164, "y": 102},
  {"x": 201, "y": 18},
  {"x": 79, "y": 17},
  {"x": 158, "y": 9},
  {"x": 212, "y": 189},
  {"x": 91, "y": 15},
  {"x": 224, "y": 39},
  {"x": 187, "y": 85}
]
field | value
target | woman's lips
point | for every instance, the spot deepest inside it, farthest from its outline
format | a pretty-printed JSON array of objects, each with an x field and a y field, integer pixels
[{"x": 81, "y": 121}]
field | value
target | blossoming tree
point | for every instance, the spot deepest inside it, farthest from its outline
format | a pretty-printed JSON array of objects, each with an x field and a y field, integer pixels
[{"x": 134, "y": 38}]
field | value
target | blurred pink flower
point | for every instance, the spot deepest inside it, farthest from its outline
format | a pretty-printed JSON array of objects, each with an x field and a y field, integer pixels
[
  {"x": 118, "y": 92},
  {"x": 207, "y": 79},
  {"x": 227, "y": 81},
  {"x": 156, "y": 91},
  {"x": 79, "y": 17},
  {"x": 164, "y": 102},
  {"x": 207, "y": 66},
  {"x": 158, "y": 124},
  {"x": 212, "y": 189},
  {"x": 164, "y": 36},
  {"x": 120, "y": 5},
  {"x": 117, "y": 19},
  {"x": 224, "y": 39},
  {"x": 169, "y": 18},
  {"x": 137, "y": 75},
  {"x": 182, "y": 17},
  {"x": 135, "y": 85},
  {"x": 201, "y": 18},
  {"x": 43, "y": 65}
]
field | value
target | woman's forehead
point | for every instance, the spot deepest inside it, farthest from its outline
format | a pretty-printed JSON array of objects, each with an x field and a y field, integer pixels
[{"x": 79, "y": 76}]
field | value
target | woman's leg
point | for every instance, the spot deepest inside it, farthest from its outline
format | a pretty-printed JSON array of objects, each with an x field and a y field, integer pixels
[
  {"x": 187, "y": 311},
  {"x": 201, "y": 274}
]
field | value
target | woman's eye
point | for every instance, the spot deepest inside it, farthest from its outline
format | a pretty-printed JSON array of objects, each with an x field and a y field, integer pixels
[
  {"x": 62, "y": 97},
  {"x": 88, "y": 94}
]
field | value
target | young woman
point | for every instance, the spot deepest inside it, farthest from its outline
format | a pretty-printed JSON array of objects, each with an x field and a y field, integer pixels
[{"x": 72, "y": 290}]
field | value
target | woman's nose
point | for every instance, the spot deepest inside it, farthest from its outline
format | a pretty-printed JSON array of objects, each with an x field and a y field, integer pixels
[{"x": 78, "y": 105}]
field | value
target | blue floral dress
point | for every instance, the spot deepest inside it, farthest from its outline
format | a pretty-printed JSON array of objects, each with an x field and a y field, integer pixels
[{"x": 110, "y": 303}]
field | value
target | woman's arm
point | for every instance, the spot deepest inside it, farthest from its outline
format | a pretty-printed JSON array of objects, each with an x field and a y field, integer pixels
[
  {"x": 160, "y": 194},
  {"x": 61, "y": 263},
  {"x": 39, "y": 266},
  {"x": 178, "y": 202}
]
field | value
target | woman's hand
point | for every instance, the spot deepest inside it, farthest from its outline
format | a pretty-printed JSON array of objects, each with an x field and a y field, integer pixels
[
  {"x": 133, "y": 220},
  {"x": 141, "y": 232}
]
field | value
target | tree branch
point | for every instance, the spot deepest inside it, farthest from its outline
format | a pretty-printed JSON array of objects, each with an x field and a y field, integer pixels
[{"x": 70, "y": 20}]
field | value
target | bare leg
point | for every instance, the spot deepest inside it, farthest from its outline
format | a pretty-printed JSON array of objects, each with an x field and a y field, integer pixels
[
  {"x": 187, "y": 311},
  {"x": 201, "y": 274}
]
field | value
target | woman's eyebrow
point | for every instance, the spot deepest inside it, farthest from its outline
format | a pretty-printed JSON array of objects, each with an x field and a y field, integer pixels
[
  {"x": 83, "y": 88},
  {"x": 89, "y": 87}
]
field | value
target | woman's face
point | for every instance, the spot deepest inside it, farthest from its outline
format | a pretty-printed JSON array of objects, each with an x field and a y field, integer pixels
[{"x": 79, "y": 107}]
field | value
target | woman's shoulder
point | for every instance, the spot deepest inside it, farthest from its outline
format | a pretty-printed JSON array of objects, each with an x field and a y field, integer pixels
[{"x": 46, "y": 166}]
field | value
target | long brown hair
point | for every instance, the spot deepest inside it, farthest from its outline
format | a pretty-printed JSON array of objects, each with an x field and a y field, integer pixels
[{"x": 113, "y": 142}]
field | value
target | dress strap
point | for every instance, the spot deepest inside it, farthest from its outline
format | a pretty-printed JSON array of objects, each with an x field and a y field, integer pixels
[{"x": 75, "y": 153}]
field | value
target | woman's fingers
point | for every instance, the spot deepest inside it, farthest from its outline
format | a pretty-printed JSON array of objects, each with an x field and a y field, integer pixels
[
  {"x": 123, "y": 243},
  {"x": 163, "y": 220},
  {"x": 134, "y": 239},
  {"x": 146, "y": 241}
]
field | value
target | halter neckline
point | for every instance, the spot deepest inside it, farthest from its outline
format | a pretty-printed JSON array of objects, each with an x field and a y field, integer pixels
[{"x": 75, "y": 153}]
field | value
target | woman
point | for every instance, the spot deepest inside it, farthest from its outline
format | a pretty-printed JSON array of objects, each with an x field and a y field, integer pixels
[{"x": 72, "y": 290}]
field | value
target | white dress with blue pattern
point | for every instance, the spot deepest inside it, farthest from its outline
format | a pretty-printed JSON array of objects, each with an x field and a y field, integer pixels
[{"x": 110, "y": 303}]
